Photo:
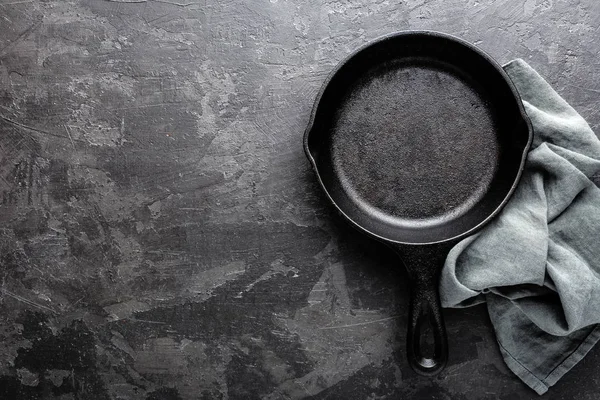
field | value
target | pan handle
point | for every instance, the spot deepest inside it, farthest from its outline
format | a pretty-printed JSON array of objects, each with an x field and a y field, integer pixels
[{"x": 424, "y": 264}]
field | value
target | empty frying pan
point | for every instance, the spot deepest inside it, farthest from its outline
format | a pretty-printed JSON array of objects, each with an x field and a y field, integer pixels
[{"x": 418, "y": 140}]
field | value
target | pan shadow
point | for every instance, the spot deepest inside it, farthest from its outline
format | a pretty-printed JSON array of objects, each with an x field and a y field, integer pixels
[{"x": 377, "y": 279}]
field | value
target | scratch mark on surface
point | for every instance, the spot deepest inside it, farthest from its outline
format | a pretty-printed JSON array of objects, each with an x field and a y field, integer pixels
[
  {"x": 77, "y": 302},
  {"x": 584, "y": 88},
  {"x": 147, "y": 321},
  {"x": 31, "y": 128},
  {"x": 29, "y": 302},
  {"x": 156, "y": 1},
  {"x": 148, "y": 22},
  {"x": 360, "y": 323},
  {"x": 122, "y": 126},
  {"x": 191, "y": 102},
  {"x": 21, "y": 35},
  {"x": 173, "y": 3},
  {"x": 70, "y": 137},
  {"x": 49, "y": 274},
  {"x": 16, "y": 2}
]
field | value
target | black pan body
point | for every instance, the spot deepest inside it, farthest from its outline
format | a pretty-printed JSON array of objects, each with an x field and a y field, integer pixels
[{"x": 418, "y": 138}]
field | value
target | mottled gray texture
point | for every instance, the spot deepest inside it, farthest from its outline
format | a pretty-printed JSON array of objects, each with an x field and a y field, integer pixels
[{"x": 162, "y": 235}]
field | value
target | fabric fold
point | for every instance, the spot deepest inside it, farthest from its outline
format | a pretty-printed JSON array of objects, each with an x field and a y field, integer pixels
[{"x": 537, "y": 265}]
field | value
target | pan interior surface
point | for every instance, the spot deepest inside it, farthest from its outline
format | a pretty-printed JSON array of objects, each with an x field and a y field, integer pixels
[
  {"x": 418, "y": 144},
  {"x": 415, "y": 143}
]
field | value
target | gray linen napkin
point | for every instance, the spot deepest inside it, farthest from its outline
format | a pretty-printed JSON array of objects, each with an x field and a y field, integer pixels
[{"x": 537, "y": 265}]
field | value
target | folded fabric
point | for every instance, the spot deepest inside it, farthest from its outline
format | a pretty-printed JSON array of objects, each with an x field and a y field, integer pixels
[{"x": 537, "y": 265}]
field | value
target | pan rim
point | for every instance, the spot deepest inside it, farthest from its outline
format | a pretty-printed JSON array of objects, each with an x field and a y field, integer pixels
[{"x": 412, "y": 33}]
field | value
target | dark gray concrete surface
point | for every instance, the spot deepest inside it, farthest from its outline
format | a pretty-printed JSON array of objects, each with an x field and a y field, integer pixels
[{"x": 161, "y": 233}]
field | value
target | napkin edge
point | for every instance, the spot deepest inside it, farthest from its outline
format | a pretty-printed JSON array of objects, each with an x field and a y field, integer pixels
[{"x": 541, "y": 386}]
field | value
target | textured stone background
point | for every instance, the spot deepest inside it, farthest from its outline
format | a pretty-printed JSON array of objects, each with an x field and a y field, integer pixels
[{"x": 161, "y": 233}]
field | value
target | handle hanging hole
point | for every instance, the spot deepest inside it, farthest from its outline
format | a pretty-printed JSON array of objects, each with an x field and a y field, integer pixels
[{"x": 425, "y": 344}]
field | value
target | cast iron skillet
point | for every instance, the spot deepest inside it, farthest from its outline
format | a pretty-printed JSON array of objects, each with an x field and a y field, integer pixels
[{"x": 419, "y": 139}]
